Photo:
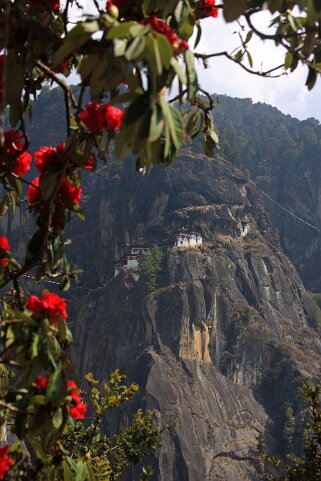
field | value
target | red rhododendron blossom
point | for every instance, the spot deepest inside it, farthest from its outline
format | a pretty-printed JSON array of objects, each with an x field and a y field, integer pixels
[
  {"x": 161, "y": 26},
  {"x": 206, "y": 8},
  {"x": 91, "y": 117},
  {"x": 98, "y": 116},
  {"x": 42, "y": 381},
  {"x": 48, "y": 156},
  {"x": 55, "y": 5},
  {"x": 12, "y": 145},
  {"x": 51, "y": 306},
  {"x": 33, "y": 192},
  {"x": 90, "y": 163},
  {"x": 5, "y": 461},
  {"x": 77, "y": 409},
  {"x": 4, "y": 245},
  {"x": 22, "y": 164},
  {"x": 69, "y": 191},
  {"x": 112, "y": 117}
]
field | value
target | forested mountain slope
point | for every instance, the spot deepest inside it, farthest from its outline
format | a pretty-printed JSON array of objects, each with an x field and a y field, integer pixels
[{"x": 283, "y": 156}]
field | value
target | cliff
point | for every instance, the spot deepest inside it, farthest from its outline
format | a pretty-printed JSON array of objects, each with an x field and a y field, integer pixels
[
  {"x": 220, "y": 348},
  {"x": 224, "y": 341}
]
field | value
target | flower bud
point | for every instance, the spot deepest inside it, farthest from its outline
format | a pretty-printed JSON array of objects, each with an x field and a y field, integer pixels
[{"x": 113, "y": 11}]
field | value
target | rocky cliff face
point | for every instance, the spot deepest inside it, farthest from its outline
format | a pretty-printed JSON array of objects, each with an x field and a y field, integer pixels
[{"x": 222, "y": 344}]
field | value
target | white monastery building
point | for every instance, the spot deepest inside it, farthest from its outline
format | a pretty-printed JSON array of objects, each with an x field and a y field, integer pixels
[{"x": 188, "y": 240}]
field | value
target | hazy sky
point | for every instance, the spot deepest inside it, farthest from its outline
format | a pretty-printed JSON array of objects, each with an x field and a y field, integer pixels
[{"x": 287, "y": 93}]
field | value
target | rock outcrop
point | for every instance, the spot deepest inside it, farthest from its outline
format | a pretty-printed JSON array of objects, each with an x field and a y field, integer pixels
[
  {"x": 224, "y": 341},
  {"x": 221, "y": 346}
]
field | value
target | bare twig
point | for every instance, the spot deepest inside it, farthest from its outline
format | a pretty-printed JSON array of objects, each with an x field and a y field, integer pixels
[
  {"x": 205, "y": 57},
  {"x": 51, "y": 74}
]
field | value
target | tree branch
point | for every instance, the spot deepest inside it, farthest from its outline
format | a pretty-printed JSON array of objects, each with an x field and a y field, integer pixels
[
  {"x": 205, "y": 57},
  {"x": 51, "y": 74}
]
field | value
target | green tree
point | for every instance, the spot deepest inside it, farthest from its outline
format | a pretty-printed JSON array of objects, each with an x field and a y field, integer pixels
[
  {"x": 307, "y": 467},
  {"x": 150, "y": 267}
]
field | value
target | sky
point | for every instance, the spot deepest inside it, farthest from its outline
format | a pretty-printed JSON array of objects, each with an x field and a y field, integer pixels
[{"x": 288, "y": 93}]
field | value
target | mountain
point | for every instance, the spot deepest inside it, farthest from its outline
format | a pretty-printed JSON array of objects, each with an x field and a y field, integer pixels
[
  {"x": 283, "y": 156},
  {"x": 222, "y": 344}
]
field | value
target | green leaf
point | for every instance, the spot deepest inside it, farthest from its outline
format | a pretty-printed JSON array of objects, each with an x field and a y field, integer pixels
[
  {"x": 136, "y": 109},
  {"x": 87, "y": 65},
  {"x": 57, "y": 419},
  {"x": 47, "y": 185},
  {"x": 179, "y": 70},
  {"x": 198, "y": 35},
  {"x": 288, "y": 60},
  {"x": 153, "y": 56},
  {"x": 173, "y": 120},
  {"x": 81, "y": 472},
  {"x": 55, "y": 385},
  {"x": 233, "y": 9},
  {"x": 14, "y": 77},
  {"x": 249, "y": 35},
  {"x": 68, "y": 475},
  {"x": 120, "y": 45},
  {"x": 34, "y": 346},
  {"x": 37, "y": 449},
  {"x": 136, "y": 48},
  {"x": 4, "y": 204},
  {"x": 156, "y": 125},
  {"x": 121, "y": 30},
  {"x": 35, "y": 245},
  {"x": 249, "y": 57},
  {"x": 311, "y": 79},
  {"x": 77, "y": 37},
  {"x": 192, "y": 85},
  {"x": 165, "y": 50}
]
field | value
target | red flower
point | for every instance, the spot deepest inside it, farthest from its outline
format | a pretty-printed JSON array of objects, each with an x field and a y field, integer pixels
[
  {"x": 161, "y": 26},
  {"x": 69, "y": 191},
  {"x": 48, "y": 156},
  {"x": 22, "y": 164},
  {"x": 5, "y": 461},
  {"x": 77, "y": 409},
  {"x": 112, "y": 117},
  {"x": 33, "y": 192},
  {"x": 206, "y": 8},
  {"x": 55, "y": 5},
  {"x": 4, "y": 245},
  {"x": 51, "y": 306},
  {"x": 90, "y": 163},
  {"x": 42, "y": 382},
  {"x": 98, "y": 116},
  {"x": 62, "y": 66},
  {"x": 11, "y": 148},
  {"x": 91, "y": 117}
]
